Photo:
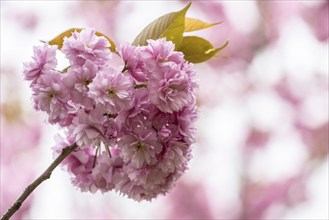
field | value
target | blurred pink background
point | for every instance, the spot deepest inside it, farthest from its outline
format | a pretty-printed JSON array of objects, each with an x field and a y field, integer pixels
[{"x": 262, "y": 150}]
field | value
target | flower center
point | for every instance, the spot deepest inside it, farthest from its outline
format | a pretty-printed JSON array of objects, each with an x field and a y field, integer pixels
[
  {"x": 139, "y": 145},
  {"x": 111, "y": 92},
  {"x": 51, "y": 95},
  {"x": 87, "y": 82}
]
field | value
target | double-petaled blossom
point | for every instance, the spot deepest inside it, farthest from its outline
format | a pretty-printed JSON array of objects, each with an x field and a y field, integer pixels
[
  {"x": 107, "y": 171},
  {"x": 134, "y": 62},
  {"x": 131, "y": 114},
  {"x": 147, "y": 182},
  {"x": 86, "y": 129},
  {"x": 50, "y": 95},
  {"x": 86, "y": 45},
  {"x": 112, "y": 89},
  {"x": 77, "y": 82},
  {"x": 170, "y": 88},
  {"x": 43, "y": 61},
  {"x": 140, "y": 147},
  {"x": 88, "y": 172},
  {"x": 170, "y": 80},
  {"x": 79, "y": 163},
  {"x": 185, "y": 119},
  {"x": 158, "y": 51}
]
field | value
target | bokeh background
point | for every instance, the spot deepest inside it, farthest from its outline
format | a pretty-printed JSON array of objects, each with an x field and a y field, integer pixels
[{"x": 262, "y": 150}]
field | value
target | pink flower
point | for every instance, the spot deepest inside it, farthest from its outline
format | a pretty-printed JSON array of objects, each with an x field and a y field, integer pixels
[
  {"x": 112, "y": 89},
  {"x": 128, "y": 187},
  {"x": 90, "y": 173},
  {"x": 186, "y": 118},
  {"x": 170, "y": 88},
  {"x": 133, "y": 125},
  {"x": 162, "y": 51},
  {"x": 86, "y": 46},
  {"x": 86, "y": 129},
  {"x": 141, "y": 114},
  {"x": 43, "y": 61},
  {"x": 140, "y": 147},
  {"x": 149, "y": 181},
  {"x": 171, "y": 79},
  {"x": 175, "y": 158},
  {"x": 77, "y": 82},
  {"x": 107, "y": 171},
  {"x": 51, "y": 96},
  {"x": 142, "y": 184},
  {"x": 79, "y": 164},
  {"x": 134, "y": 62}
]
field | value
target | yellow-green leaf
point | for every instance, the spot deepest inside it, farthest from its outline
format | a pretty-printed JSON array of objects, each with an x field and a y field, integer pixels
[
  {"x": 60, "y": 38},
  {"x": 193, "y": 24},
  {"x": 171, "y": 26},
  {"x": 198, "y": 50}
]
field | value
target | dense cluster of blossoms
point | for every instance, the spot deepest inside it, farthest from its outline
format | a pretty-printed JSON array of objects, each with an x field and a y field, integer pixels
[{"x": 131, "y": 112}]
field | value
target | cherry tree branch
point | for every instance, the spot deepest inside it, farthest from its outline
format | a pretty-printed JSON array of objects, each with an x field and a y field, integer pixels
[{"x": 44, "y": 176}]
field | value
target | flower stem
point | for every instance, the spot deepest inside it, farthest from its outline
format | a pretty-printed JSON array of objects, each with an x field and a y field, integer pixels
[{"x": 44, "y": 176}]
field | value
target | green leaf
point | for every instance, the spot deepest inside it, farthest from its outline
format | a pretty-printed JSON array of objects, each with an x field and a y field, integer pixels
[
  {"x": 198, "y": 50},
  {"x": 171, "y": 26},
  {"x": 60, "y": 38},
  {"x": 193, "y": 24}
]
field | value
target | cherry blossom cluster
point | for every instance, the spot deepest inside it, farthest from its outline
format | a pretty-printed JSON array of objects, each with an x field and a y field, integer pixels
[{"x": 131, "y": 112}]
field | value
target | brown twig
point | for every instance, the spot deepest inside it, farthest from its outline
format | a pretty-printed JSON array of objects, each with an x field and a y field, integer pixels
[{"x": 44, "y": 176}]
